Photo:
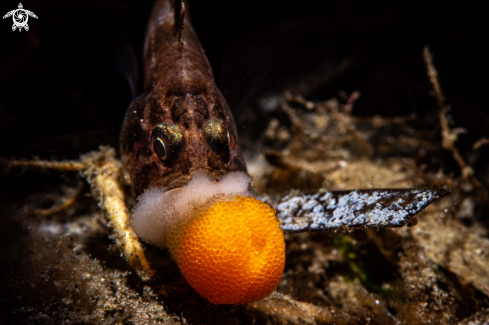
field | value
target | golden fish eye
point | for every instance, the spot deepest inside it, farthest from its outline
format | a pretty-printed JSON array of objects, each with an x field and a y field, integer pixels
[
  {"x": 168, "y": 143},
  {"x": 160, "y": 145},
  {"x": 219, "y": 138}
]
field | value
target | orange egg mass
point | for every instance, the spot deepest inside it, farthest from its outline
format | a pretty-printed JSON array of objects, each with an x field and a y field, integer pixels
[{"x": 233, "y": 253}]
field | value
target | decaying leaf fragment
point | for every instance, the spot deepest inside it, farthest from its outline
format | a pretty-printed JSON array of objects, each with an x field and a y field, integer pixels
[{"x": 347, "y": 210}]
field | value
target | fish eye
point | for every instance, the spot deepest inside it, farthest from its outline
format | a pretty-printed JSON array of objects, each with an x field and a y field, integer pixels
[
  {"x": 168, "y": 142},
  {"x": 231, "y": 140},
  {"x": 160, "y": 145},
  {"x": 219, "y": 139}
]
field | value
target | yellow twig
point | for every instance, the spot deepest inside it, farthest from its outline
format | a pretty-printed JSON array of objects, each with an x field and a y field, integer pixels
[
  {"x": 105, "y": 175},
  {"x": 42, "y": 164}
]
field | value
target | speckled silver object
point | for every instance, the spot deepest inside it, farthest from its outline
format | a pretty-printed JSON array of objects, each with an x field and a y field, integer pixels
[{"x": 347, "y": 210}]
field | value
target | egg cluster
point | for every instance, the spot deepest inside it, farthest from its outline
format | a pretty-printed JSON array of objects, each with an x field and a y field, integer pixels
[{"x": 232, "y": 253}]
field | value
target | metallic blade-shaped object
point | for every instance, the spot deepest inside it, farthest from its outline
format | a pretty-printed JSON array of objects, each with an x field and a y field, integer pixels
[{"x": 348, "y": 210}]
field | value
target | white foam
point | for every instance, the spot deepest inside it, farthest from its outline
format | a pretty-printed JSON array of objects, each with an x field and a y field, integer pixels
[{"x": 158, "y": 210}]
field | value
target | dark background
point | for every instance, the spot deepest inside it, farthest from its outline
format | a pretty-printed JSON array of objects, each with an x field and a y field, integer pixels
[{"x": 61, "y": 93}]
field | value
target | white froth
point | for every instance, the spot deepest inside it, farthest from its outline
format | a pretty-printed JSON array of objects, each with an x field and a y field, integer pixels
[{"x": 158, "y": 211}]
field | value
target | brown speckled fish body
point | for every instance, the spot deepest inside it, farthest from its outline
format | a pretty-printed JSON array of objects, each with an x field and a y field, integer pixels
[{"x": 181, "y": 123}]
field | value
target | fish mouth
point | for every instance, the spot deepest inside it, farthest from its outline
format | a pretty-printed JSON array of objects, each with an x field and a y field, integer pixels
[
  {"x": 182, "y": 180},
  {"x": 160, "y": 209}
]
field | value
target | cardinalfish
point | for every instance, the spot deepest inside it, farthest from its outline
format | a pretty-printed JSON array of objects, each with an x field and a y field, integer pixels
[{"x": 180, "y": 145}]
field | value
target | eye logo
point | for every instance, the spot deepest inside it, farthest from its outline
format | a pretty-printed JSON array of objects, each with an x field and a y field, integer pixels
[{"x": 20, "y": 17}]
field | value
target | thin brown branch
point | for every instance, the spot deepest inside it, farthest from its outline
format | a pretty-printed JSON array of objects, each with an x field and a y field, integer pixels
[
  {"x": 350, "y": 100},
  {"x": 449, "y": 136},
  {"x": 480, "y": 143},
  {"x": 63, "y": 206}
]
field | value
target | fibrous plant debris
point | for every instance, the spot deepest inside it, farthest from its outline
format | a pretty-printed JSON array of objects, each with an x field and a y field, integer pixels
[{"x": 65, "y": 268}]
